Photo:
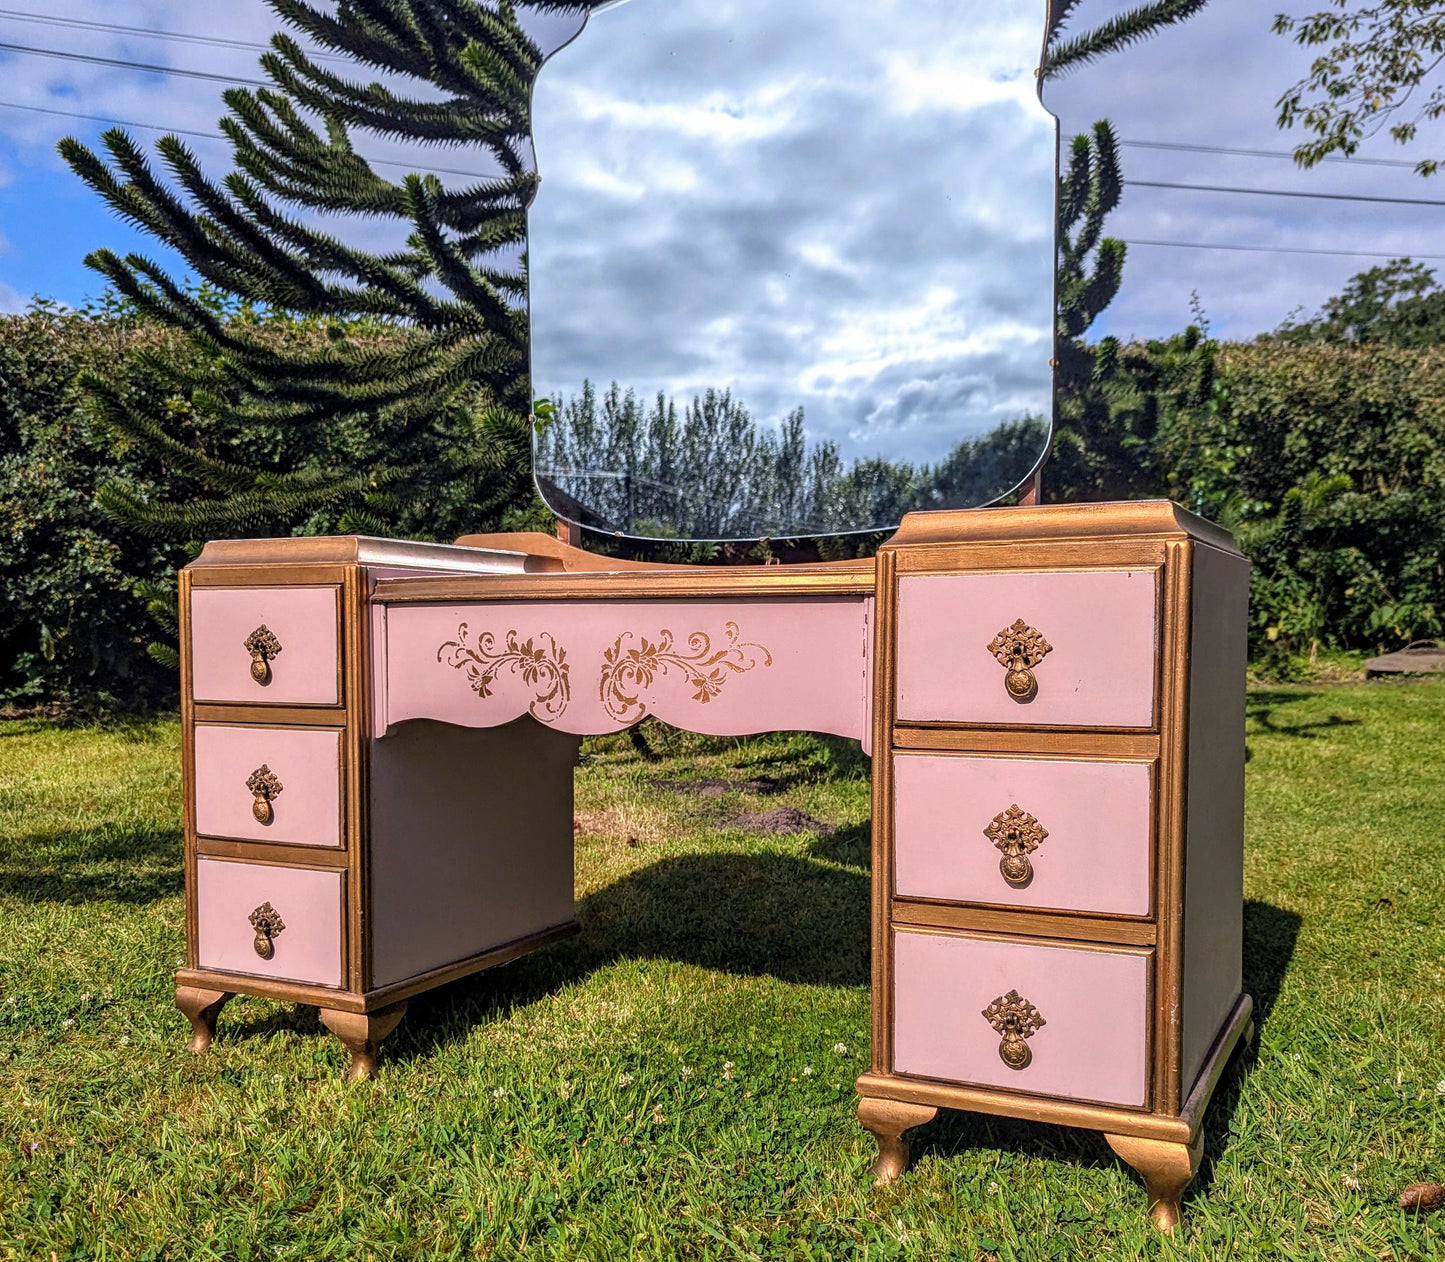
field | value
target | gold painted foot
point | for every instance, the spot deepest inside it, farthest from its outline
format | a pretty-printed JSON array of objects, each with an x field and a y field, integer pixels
[
  {"x": 1167, "y": 1169},
  {"x": 363, "y": 1032},
  {"x": 202, "y": 1007},
  {"x": 890, "y": 1122}
]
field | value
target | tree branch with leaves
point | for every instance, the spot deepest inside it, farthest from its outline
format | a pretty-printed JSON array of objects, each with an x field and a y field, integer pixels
[{"x": 1376, "y": 72}]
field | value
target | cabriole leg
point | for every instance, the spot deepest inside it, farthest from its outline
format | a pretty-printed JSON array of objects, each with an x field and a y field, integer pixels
[
  {"x": 1167, "y": 1169},
  {"x": 890, "y": 1122},
  {"x": 362, "y": 1033},
  {"x": 202, "y": 1007}
]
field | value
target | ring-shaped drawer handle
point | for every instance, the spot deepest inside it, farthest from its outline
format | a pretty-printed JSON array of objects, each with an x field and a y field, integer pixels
[
  {"x": 1017, "y": 1020},
  {"x": 1019, "y": 649},
  {"x": 1016, "y": 834},
  {"x": 266, "y": 788},
  {"x": 263, "y": 646},
  {"x": 267, "y": 923}
]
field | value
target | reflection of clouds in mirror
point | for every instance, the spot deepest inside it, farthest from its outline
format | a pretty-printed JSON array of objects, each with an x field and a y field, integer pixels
[
  {"x": 1214, "y": 81},
  {"x": 843, "y": 205}
]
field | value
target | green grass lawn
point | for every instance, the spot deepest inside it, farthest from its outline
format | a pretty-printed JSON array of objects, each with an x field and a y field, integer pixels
[{"x": 676, "y": 1081}]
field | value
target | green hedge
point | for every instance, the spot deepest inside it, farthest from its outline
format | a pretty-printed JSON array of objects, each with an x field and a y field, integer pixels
[
  {"x": 1329, "y": 462},
  {"x": 74, "y": 586}
]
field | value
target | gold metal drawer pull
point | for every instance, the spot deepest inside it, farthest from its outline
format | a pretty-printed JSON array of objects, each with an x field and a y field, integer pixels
[
  {"x": 267, "y": 923},
  {"x": 1017, "y": 834},
  {"x": 263, "y": 783},
  {"x": 262, "y": 645},
  {"x": 1019, "y": 649},
  {"x": 1017, "y": 1020}
]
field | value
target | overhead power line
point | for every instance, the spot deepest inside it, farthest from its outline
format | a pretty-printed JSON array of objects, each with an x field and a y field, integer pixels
[
  {"x": 215, "y": 135},
  {"x": 179, "y": 37},
  {"x": 1287, "y": 154},
  {"x": 1228, "y": 152},
  {"x": 1286, "y": 249},
  {"x": 1286, "y": 192},
  {"x": 146, "y": 67}
]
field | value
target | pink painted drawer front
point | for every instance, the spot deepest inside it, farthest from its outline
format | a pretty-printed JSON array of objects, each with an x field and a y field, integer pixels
[
  {"x": 1100, "y": 625},
  {"x": 304, "y": 622},
  {"x": 310, "y": 904},
  {"x": 306, "y": 762},
  {"x": 1097, "y": 815},
  {"x": 1093, "y": 1045},
  {"x": 725, "y": 667}
]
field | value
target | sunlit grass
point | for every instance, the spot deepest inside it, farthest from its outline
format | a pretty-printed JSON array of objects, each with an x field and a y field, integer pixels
[{"x": 668, "y": 1083}]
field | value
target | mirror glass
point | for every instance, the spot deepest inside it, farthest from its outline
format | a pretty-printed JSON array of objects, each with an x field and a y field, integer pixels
[{"x": 791, "y": 265}]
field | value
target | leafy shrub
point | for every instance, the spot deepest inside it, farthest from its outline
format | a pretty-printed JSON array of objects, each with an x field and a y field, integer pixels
[
  {"x": 1326, "y": 459},
  {"x": 74, "y": 586}
]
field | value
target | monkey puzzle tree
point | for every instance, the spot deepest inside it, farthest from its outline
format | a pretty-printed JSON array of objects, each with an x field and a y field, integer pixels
[
  {"x": 1092, "y": 444},
  {"x": 327, "y": 385}
]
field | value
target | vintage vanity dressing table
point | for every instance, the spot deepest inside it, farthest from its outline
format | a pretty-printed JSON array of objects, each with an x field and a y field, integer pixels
[{"x": 380, "y": 736}]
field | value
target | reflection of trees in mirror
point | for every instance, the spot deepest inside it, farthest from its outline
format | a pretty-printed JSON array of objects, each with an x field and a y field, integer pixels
[{"x": 707, "y": 470}]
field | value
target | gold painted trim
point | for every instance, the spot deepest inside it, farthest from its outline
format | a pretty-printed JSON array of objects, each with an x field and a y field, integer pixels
[
  {"x": 885, "y": 677},
  {"x": 356, "y": 774},
  {"x": 696, "y": 583},
  {"x": 1084, "y": 745},
  {"x": 260, "y": 714},
  {"x": 1093, "y": 555},
  {"x": 1173, "y": 710},
  {"x": 188, "y": 763},
  {"x": 1083, "y": 522},
  {"x": 266, "y": 577},
  {"x": 1048, "y": 924},
  {"x": 273, "y": 854},
  {"x": 268, "y": 988},
  {"x": 998, "y": 1102},
  {"x": 1026, "y": 939}
]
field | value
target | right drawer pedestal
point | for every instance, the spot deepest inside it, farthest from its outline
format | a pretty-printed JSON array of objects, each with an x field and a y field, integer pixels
[{"x": 1058, "y": 833}]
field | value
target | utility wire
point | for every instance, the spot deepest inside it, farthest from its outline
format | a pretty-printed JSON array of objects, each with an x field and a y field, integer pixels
[
  {"x": 212, "y": 41},
  {"x": 133, "y": 65},
  {"x": 215, "y": 135},
  {"x": 1285, "y": 249},
  {"x": 1288, "y": 155},
  {"x": 1285, "y": 192}
]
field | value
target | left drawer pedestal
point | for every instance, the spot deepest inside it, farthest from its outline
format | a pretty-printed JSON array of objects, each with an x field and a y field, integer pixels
[{"x": 316, "y": 851}]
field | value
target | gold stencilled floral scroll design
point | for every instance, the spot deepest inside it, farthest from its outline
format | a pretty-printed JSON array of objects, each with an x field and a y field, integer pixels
[
  {"x": 629, "y": 668},
  {"x": 540, "y": 663}
]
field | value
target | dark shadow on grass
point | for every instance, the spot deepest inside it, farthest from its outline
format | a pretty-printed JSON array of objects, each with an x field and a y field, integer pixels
[
  {"x": 1263, "y": 707},
  {"x": 751, "y": 915},
  {"x": 1270, "y": 934},
  {"x": 110, "y": 863},
  {"x": 852, "y": 847}
]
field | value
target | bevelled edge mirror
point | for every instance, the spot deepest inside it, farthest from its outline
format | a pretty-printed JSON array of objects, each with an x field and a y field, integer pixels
[{"x": 791, "y": 266}]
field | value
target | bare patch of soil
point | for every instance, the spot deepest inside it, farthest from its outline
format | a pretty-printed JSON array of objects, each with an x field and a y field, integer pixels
[{"x": 780, "y": 821}]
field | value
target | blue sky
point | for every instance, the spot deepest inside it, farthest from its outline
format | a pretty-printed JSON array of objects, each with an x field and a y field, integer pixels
[{"x": 1212, "y": 81}]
